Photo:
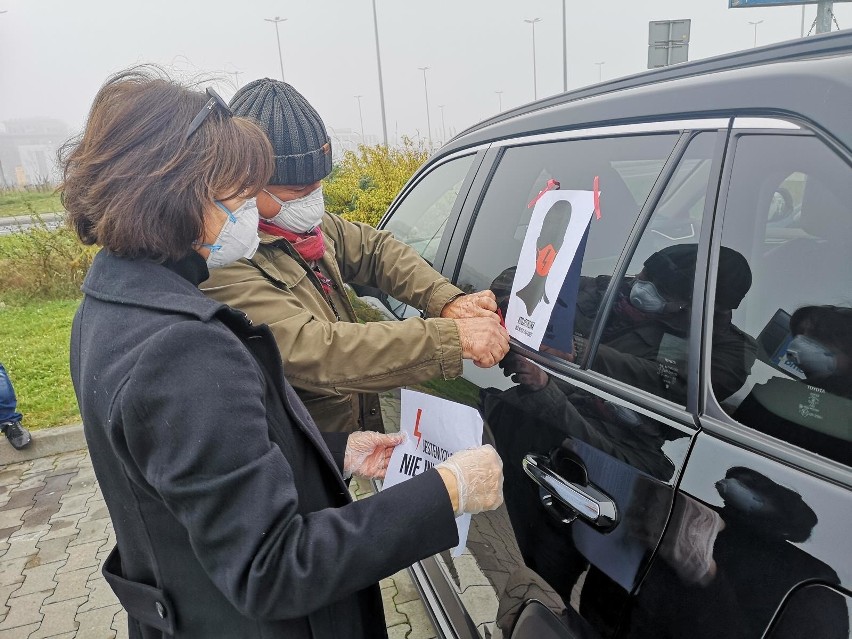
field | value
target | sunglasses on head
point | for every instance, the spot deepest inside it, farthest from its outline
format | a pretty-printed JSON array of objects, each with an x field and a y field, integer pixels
[{"x": 214, "y": 101}]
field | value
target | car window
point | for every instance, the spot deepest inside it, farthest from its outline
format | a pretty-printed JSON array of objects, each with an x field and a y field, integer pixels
[
  {"x": 789, "y": 212},
  {"x": 626, "y": 169},
  {"x": 645, "y": 336},
  {"x": 420, "y": 218}
]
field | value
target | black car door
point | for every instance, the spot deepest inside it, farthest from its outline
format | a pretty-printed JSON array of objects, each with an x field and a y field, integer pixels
[
  {"x": 764, "y": 506},
  {"x": 593, "y": 434}
]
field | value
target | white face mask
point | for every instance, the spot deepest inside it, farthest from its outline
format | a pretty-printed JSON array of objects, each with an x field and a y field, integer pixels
[
  {"x": 299, "y": 215},
  {"x": 238, "y": 238}
]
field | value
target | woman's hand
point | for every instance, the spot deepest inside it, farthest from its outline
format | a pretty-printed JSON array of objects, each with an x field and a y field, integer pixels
[
  {"x": 481, "y": 304},
  {"x": 368, "y": 453}
]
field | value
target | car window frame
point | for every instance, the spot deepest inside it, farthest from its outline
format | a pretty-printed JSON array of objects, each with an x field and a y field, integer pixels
[{"x": 711, "y": 417}]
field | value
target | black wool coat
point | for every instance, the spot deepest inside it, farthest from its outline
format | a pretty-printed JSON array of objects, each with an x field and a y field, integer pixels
[{"x": 230, "y": 512}]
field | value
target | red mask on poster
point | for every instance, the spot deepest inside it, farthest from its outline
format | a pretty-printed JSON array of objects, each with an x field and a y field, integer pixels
[{"x": 545, "y": 259}]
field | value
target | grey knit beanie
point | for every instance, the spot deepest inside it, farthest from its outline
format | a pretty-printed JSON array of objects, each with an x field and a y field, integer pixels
[{"x": 299, "y": 139}]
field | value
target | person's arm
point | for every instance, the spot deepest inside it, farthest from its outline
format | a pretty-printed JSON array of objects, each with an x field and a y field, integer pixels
[
  {"x": 342, "y": 357},
  {"x": 376, "y": 258},
  {"x": 235, "y": 493}
]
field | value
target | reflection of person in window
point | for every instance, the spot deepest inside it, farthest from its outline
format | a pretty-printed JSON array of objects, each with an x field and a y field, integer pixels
[
  {"x": 817, "y": 414},
  {"x": 644, "y": 342}
]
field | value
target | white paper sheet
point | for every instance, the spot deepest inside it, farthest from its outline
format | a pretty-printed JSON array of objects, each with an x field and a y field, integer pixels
[
  {"x": 436, "y": 429},
  {"x": 527, "y": 316}
]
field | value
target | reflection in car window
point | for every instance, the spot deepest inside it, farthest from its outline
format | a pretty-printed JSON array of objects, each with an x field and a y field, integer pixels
[
  {"x": 645, "y": 338},
  {"x": 420, "y": 218},
  {"x": 789, "y": 211},
  {"x": 626, "y": 169}
]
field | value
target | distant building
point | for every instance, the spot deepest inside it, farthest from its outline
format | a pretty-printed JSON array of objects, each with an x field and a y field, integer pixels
[
  {"x": 28, "y": 151},
  {"x": 343, "y": 140}
]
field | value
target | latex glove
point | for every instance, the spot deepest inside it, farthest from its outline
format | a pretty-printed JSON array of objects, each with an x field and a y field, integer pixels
[
  {"x": 483, "y": 340},
  {"x": 368, "y": 453},
  {"x": 481, "y": 304},
  {"x": 524, "y": 372},
  {"x": 479, "y": 479}
]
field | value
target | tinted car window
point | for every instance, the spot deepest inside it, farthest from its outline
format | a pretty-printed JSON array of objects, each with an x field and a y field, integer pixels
[
  {"x": 788, "y": 211},
  {"x": 626, "y": 168},
  {"x": 645, "y": 337},
  {"x": 419, "y": 220}
]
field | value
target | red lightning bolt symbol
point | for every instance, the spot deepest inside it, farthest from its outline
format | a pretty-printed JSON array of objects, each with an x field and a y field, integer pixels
[{"x": 417, "y": 432}]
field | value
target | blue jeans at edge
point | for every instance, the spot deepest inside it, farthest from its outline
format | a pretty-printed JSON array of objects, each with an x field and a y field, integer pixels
[{"x": 8, "y": 401}]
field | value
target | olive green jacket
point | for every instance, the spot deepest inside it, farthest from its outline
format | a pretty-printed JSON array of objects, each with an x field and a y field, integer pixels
[{"x": 332, "y": 360}]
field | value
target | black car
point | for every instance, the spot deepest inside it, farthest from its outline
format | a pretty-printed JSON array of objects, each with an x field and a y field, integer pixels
[{"x": 681, "y": 471}]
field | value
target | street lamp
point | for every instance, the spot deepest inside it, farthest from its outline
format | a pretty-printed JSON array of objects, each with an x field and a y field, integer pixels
[
  {"x": 600, "y": 66},
  {"x": 381, "y": 86},
  {"x": 754, "y": 24},
  {"x": 428, "y": 119},
  {"x": 499, "y": 101},
  {"x": 564, "y": 48},
  {"x": 535, "y": 84},
  {"x": 443, "y": 124},
  {"x": 360, "y": 116},
  {"x": 275, "y": 21}
]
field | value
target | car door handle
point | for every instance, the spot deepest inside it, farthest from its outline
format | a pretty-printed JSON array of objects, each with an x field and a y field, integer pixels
[{"x": 589, "y": 502}]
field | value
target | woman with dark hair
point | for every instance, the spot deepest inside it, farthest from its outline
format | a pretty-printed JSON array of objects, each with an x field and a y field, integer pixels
[{"x": 230, "y": 508}]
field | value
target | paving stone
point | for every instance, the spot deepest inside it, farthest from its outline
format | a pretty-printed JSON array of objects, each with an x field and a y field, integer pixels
[
  {"x": 38, "y": 578},
  {"x": 406, "y": 590},
  {"x": 70, "y": 585},
  {"x": 68, "y": 461},
  {"x": 12, "y": 570},
  {"x": 92, "y": 530},
  {"x": 100, "y": 594},
  {"x": 19, "y": 498},
  {"x": 63, "y": 525},
  {"x": 24, "y": 611},
  {"x": 5, "y": 591},
  {"x": 97, "y": 622},
  {"x": 73, "y": 505},
  {"x": 40, "y": 466},
  {"x": 31, "y": 482},
  {"x": 82, "y": 556},
  {"x": 119, "y": 624},
  {"x": 12, "y": 518},
  {"x": 392, "y": 616},
  {"x": 55, "y": 549},
  {"x": 58, "y": 618},
  {"x": 418, "y": 620},
  {"x": 24, "y": 545},
  {"x": 11, "y": 474},
  {"x": 399, "y": 631},
  {"x": 19, "y": 632},
  {"x": 57, "y": 483}
]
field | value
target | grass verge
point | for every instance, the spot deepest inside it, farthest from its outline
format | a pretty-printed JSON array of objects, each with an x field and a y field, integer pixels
[
  {"x": 34, "y": 338},
  {"x": 14, "y": 202}
]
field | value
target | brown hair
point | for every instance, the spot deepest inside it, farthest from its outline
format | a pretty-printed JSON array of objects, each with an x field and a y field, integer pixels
[{"x": 134, "y": 184}]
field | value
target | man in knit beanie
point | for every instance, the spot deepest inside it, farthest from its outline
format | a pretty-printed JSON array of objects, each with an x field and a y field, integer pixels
[{"x": 295, "y": 283}]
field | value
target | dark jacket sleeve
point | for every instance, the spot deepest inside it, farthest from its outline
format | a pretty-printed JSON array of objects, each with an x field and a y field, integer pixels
[
  {"x": 336, "y": 443},
  {"x": 233, "y": 490}
]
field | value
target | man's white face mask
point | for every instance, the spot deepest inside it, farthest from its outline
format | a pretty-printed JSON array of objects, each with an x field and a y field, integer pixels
[{"x": 299, "y": 215}]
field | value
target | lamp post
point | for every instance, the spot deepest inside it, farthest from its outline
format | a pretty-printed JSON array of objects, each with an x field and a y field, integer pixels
[
  {"x": 360, "y": 116},
  {"x": 600, "y": 66},
  {"x": 535, "y": 83},
  {"x": 564, "y": 48},
  {"x": 499, "y": 101},
  {"x": 754, "y": 24},
  {"x": 428, "y": 118},
  {"x": 443, "y": 124},
  {"x": 381, "y": 86},
  {"x": 275, "y": 21}
]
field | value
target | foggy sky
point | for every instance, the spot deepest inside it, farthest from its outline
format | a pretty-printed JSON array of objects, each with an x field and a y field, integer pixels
[{"x": 54, "y": 54}]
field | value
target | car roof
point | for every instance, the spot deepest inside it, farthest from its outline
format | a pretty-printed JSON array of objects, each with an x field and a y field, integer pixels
[{"x": 807, "y": 79}]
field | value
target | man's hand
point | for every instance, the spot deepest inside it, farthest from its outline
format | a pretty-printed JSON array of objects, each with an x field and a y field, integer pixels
[
  {"x": 483, "y": 340},
  {"x": 368, "y": 453},
  {"x": 524, "y": 372},
  {"x": 482, "y": 304}
]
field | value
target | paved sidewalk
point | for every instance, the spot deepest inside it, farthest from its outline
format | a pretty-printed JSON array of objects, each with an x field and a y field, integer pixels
[{"x": 55, "y": 532}]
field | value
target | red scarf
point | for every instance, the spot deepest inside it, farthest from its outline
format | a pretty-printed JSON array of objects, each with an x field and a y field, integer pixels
[{"x": 310, "y": 245}]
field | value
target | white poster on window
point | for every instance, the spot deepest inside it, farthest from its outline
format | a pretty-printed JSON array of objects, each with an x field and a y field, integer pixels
[
  {"x": 556, "y": 231},
  {"x": 436, "y": 429}
]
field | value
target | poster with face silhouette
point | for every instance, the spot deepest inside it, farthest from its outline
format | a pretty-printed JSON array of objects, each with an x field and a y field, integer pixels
[{"x": 551, "y": 255}]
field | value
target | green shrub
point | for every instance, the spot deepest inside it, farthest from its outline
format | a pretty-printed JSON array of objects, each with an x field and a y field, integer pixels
[
  {"x": 43, "y": 263},
  {"x": 362, "y": 186}
]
